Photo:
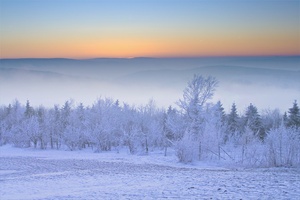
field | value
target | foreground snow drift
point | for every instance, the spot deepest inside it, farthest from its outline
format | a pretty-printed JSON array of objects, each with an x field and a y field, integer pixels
[{"x": 30, "y": 174}]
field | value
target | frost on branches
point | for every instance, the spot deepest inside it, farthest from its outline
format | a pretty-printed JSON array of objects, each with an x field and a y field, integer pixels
[{"x": 196, "y": 130}]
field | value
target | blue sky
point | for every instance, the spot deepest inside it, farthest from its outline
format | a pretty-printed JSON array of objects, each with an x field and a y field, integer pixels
[{"x": 127, "y": 28}]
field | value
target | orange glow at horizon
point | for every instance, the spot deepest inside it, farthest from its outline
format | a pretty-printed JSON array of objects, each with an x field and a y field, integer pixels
[
  {"x": 119, "y": 29},
  {"x": 152, "y": 47}
]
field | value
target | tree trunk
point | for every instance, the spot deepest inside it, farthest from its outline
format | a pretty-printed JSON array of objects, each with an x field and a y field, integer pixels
[
  {"x": 200, "y": 151},
  {"x": 166, "y": 147},
  {"x": 51, "y": 141},
  {"x": 146, "y": 145},
  {"x": 219, "y": 152}
]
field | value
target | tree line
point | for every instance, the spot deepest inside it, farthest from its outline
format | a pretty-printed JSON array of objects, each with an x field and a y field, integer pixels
[{"x": 196, "y": 129}]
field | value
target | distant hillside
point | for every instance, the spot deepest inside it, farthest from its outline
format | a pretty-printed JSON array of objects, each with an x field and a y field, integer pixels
[
  {"x": 225, "y": 74},
  {"x": 265, "y": 81}
]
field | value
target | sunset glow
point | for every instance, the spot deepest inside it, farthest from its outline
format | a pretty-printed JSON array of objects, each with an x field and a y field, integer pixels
[{"x": 87, "y": 29}]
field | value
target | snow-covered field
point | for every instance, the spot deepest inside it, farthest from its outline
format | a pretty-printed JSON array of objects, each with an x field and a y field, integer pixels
[{"x": 51, "y": 174}]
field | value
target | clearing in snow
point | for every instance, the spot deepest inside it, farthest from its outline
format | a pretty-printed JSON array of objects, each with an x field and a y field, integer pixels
[{"x": 35, "y": 174}]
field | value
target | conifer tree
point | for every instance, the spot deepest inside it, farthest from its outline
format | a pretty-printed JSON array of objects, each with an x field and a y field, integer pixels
[
  {"x": 232, "y": 119},
  {"x": 294, "y": 116},
  {"x": 253, "y": 120},
  {"x": 219, "y": 111},
  {"x": 29, "y": 111},
  {"x": 285, "y": 119}
]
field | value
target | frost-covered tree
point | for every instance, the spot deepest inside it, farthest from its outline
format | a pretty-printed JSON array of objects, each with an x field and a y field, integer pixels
[
  {"x": 173, "y": 128},
  {"x": 144, "y": 128},
  {"x": 43, "y": 127},
  {"x": 198, "y": 130},
  {"x": 6, "y": 123},
  {"x": 175, "y": 125},
  {"x": 232, "y": 121},
  {"x": 29, "y": 111},
  {"x": 198, "y": 91},
  {"x": 55, "y": 127},
  {"x": 283, "y": 147},
  {"x": 214, "y": 131},
  {"x": 80, "y": 112},
  {"x": 271, "y": 119},
  {"x": 115, "y": 123},
  {"x": 14, "y": 120},
  {"x": 75, "y": 133},
  {"x": 253, "y": 121},
  {"x": 2, "y": 125},
  {"x": 30, "y": 127},
  {"x": 156, "y": 137},
  {"x": 245, "y": 141},
  {"x": 65, "y": 114},
  {"x": 65, "y": 120},
  {"x": 285, "y": 118},
  {"x": 30, "y": 130},
  {"x": 104, "y": 124},
  {"x": 294, "y": 116},
  {"x": 151, "y": 126},
  {"x": 129, "y": 128}
]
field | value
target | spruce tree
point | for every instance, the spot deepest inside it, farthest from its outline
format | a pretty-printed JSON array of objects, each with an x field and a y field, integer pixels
[
  {"x": 285, "y": 119},
  {"x": 232, "y": 119},
  {"x": 253, "y": 120},
  {"x": 29, "y": 111},
  {"x": 219, "y": 111},
  {"x": 294, "y": 116}
]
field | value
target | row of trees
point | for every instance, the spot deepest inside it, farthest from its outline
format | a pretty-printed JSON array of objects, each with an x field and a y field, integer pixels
[{"x": 197, "y": 130}]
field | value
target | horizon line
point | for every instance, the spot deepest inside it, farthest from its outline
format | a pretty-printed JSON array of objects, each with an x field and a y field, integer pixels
[{"x": 151, "y": 57}]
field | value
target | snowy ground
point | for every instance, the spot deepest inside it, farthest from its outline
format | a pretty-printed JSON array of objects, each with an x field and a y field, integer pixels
[{"x": 36, "y": 174}]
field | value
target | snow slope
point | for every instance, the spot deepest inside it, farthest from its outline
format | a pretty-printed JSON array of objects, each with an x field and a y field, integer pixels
[{"x": 51, "y": 174}]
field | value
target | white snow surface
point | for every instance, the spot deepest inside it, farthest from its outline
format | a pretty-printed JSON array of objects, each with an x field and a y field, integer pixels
[{"x": 57, "y": 174}]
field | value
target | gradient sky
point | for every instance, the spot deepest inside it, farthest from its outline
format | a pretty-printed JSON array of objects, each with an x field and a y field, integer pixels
[{"x": 156, "y": 28}]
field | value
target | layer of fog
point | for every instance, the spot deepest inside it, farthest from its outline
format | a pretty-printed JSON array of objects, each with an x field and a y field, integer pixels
[{"x": 267, "y": 82}]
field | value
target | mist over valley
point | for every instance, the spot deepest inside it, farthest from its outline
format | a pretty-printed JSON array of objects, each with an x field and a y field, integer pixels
[{"x": 267, "y": 82}]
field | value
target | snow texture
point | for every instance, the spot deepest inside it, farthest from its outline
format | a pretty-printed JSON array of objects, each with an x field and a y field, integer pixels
[{"x": 51, "y": 174}]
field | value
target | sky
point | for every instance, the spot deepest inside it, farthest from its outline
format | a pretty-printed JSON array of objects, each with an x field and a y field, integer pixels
[{"x": 148, "y": 28}]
